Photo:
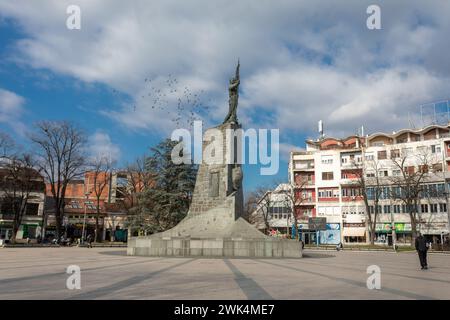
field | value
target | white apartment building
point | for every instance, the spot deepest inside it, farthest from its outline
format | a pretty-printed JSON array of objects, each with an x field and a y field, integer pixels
[
  {"x": 326, "y": 178},
  {"x": 276, "y": 207}
]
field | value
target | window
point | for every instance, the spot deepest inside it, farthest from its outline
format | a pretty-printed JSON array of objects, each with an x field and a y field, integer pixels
[
  {"x": 369, "y": 157},
  {"x": 385, "y": 193},
  {"x": 387, "y": 209},
  {"x": 396, "y": 172},
  {"x": 32, "y": 209},
  {"x": 424, "y": 208},
  {"x": 327, "y": 159},
  {"x": 395, "y": 153},
  {"x": 371, "y": 209},
  {"x": 328, "y": 193},
  {"x": 396, "y": 208},
  {"x": 327, "y": 175},
  {"x": 433, "y": 208},
  {"x": 370, "y": 175},
  {"x": 383, "y": 173},
  {"x": 442, "y": 207},
  {"x": 351, "y": 192},
  {"x": 382, "y": 155},
  {"x": 370, "y": 193},
  {"x": 436, "y": 149}
]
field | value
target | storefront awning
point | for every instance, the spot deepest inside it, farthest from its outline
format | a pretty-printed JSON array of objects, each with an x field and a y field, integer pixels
[{"x": 354, "y": 232}]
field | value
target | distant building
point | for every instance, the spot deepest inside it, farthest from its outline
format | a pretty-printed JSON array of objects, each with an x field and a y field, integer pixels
[
  {"x": 81, "y": 207},
  {"x": 31, "y": 226},
  {"x": 275, "y": 208},
  {"x": 326, "y": 179}
]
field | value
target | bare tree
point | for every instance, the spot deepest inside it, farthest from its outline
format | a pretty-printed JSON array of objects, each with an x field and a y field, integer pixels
[
  {"x": 101, "y": 174},
  {"x": 296, "y": 195},
  {"x": 249, "y": 207},
  {"x": 19, "y": 180},
  {"x": 408, "y": 184},
  {"x": 7, "y": 146},
  {"x": 61, "y": 159},
  {"x": 137, "y": 180},
  {"x": 368, "y": 181},
  {"x": 264, "y": 204},
  {"x": 264, "y": 201}
]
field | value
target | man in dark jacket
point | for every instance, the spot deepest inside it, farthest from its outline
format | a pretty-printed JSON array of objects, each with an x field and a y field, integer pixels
[{"x": 422, "y": 248}]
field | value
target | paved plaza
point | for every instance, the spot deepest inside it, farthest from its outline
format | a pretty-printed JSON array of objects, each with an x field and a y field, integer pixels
[{"x": 107, "y": 273}]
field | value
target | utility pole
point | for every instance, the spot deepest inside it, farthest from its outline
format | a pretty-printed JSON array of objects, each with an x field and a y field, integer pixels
[
  {"x": 393, "y": 232},
  {"x": 83, "y": 234}
]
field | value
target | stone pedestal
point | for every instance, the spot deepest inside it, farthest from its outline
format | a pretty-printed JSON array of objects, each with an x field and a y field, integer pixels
[{"x": 213, "y": 226}]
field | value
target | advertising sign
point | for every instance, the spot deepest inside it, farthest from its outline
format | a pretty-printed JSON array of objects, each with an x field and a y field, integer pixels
[
  {"x": 400, "y": 227},
  {"x": 317, "y": 223},
  {"x": 332, "y": 235}
]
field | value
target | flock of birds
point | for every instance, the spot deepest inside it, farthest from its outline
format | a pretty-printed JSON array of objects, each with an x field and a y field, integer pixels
[{"x": 183, "y": 105}]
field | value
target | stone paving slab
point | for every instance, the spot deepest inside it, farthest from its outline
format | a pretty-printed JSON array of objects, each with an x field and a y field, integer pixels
[{"x": 107, "y": 273}]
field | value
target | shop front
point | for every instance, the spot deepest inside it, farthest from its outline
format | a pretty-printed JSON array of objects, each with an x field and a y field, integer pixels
[
  {"x": 354, "y": 233},
  {"x": 384, "y": 234}
]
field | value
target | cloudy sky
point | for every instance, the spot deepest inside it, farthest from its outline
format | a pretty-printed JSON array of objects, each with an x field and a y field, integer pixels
[{"x": 301, "y": 61}]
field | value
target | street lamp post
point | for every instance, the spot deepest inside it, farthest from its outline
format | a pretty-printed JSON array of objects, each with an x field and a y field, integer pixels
[
  {"x": 393, "y": 232},
  {"x": 83, "y": 234}
]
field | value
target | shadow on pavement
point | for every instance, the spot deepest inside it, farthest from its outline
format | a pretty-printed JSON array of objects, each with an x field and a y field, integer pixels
[
  {"x": 316, "y": 255},
  {"x": 115, "y": 253}
]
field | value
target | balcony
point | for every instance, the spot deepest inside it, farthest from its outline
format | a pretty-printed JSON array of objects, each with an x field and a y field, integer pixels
[
  {"x": 304, "y": 168},
  {"x": 306, "y": 202},
  {"x": 349, "y": 181},
  {"x": 351, "y": 165}
]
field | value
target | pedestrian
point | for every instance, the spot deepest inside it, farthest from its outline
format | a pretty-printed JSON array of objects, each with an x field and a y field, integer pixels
[
  {"x": 89, "y": 241},
  {"x": 422, "y": 248}
]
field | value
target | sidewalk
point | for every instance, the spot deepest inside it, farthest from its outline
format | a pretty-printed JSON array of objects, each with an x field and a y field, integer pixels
[
  {"x": 366, "y": 249},
  {"x": 48, "y": 245}
]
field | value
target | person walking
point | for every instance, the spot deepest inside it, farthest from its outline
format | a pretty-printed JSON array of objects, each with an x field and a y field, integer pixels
[
  {"x": 89, "y": 241},
  {"x": 422, "y": 248}
]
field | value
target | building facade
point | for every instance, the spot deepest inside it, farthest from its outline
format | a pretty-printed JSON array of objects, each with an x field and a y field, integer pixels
[
  {"x": 32, "y": 220},
  {"x": 328, "y": 176},
  {"x": 81, "y": 201},
  {"x": 274, "y": 209}
]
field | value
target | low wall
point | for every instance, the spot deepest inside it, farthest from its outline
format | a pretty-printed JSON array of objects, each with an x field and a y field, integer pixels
[{"x": 209, "y": 247}]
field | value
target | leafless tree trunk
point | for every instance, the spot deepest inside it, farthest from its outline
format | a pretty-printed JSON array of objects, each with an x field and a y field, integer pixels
[
  {"x": 61, "y": 159},
  {"x": 18, "y": 180},
  {"x": 264, "y": 204},
  {"x": 295, "y": 196},
  {"x": 409, "y": 184},
  {"x": 370, "y": 185},
  {"x": 101, "y": 174},
  {"x": 137, "y": 180}
]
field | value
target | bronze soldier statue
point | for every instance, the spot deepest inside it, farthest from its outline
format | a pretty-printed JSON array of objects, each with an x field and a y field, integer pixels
[{"x": 234, "y": 96}]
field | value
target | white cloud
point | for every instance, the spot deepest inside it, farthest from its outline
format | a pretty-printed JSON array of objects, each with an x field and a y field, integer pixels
[
  {"x": 101, "y": 146},
  {"x": 11, "y": 109},
  {"x": 301, "y": 61}
]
